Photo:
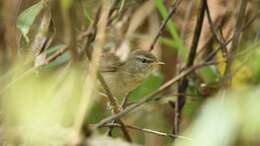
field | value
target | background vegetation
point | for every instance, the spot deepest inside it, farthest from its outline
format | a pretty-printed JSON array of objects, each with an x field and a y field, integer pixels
[{"x": 206, "y": 94}]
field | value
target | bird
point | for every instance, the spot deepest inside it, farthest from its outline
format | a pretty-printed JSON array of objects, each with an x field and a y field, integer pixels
[{"x": 124, "y": 77}]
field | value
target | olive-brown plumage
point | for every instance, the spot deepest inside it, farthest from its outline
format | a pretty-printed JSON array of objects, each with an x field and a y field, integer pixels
[{"x": 123, "y": 77}]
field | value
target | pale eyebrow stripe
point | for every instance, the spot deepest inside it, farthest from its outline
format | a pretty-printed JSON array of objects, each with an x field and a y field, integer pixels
[{"x": 141, "y": 57}]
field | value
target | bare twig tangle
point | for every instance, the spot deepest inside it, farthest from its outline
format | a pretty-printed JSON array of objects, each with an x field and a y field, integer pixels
[{"x": 234, "y": 45}]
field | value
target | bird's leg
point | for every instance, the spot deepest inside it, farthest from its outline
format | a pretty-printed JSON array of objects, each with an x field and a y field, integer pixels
[{"x": 123, "y": 105}]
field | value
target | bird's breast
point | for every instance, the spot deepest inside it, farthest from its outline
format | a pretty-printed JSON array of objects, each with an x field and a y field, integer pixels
[{"x": 121, "y": 83}]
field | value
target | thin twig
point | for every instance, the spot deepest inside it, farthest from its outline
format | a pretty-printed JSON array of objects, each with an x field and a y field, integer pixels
[
  {"x": 69, "y": 36},
  {"x": 234, "y": 45},
  {"x": 112, "y": 100},
  {"x": 153, "y": 94},
  {"x": 174, "y": 94},
  {"x": 55, "y": 55},
  {"x": 245, "y": 26},
  {"x": 122, "y": 106},
  {"x": 182, "y": 85},
  {"x": 149, "y": 131},
  {"x": 111, "y": 11},
  {"x": 91, "y": 78},
  {"x": 214, "y": 29},
  {"x": 41, "y": 38},
  {"x": 187, "y": 17},
  {"x": 220, "y": 22},
  {"x": 116, "y": 108},
  {"x": 164, "y": 23}
]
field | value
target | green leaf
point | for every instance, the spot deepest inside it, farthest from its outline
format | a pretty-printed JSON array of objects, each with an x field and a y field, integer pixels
[
  {"x": 66, "y": 4},
  {"x": 172, "y": 29},
  {"x": 254, "y": 63},
  {"x": 151, "y": 83},
  {"x": 86, "y": 12},
  {"x": 27, "y": 17},
  {"x": 210, "y": 73},
  {"x": 168, "y": 42}
]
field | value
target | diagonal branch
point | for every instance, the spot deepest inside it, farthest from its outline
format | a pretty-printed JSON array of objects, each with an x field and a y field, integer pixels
[
  {"x": 214, "y": 30},
  {"x": 115, "y": 106},
  {"x": 234, "y": 45},
  {"x": 149, "y": 131},
  {"x": 153, "y": 94},
  {"x": 164, "y": 23}
]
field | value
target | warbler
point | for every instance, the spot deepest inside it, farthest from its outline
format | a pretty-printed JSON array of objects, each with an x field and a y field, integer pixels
[{"x": 123, "y": 77}]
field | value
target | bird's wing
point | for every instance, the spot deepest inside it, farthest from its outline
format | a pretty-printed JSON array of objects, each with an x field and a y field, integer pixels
[{"x": 109, "y": 63}]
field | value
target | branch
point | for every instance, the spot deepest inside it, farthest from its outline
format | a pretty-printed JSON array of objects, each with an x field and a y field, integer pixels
[
  {"x": 153, "y": 94},
  {"x": 111, "y": 11},
  {"x": 116, "y": 107},
  {"x": 149, "y": 131},
  {"x": 219, "y": 24},
  {"x": 245, "y": 26},
  {"x": 214, "y": 30},
  {"x": 93, "y": 72},
  {"x": 122, "y": 106},
  {"x": 41, "y": 37},
  {"x": 112, "y": 100},
  {"x": 182, "y": 85},
  {"x": 238, "y": 29},
  {"x": 164, "y": 23},
  {"x": 55, "y": 55}
]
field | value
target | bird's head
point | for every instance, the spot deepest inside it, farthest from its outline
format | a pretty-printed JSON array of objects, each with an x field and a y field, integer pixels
[{"x": 141, "y": 61}]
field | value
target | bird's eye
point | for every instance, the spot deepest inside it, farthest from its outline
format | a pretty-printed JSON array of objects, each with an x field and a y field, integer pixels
[{"x": 144, "y": 60}]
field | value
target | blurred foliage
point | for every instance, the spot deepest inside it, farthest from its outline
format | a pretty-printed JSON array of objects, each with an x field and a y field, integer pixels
[
  {"x": 45, "y": 105},
  {"x": 223, "y": 119},
  {"x": 27, "y": 17},
  {"x": 152, "y": 82}
]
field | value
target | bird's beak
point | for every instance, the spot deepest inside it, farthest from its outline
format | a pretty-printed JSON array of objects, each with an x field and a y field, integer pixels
[{"x": 158, "y": 63}]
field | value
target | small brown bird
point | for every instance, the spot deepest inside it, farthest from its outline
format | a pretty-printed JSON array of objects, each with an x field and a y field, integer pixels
[{"x": 123, "y": 77}]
